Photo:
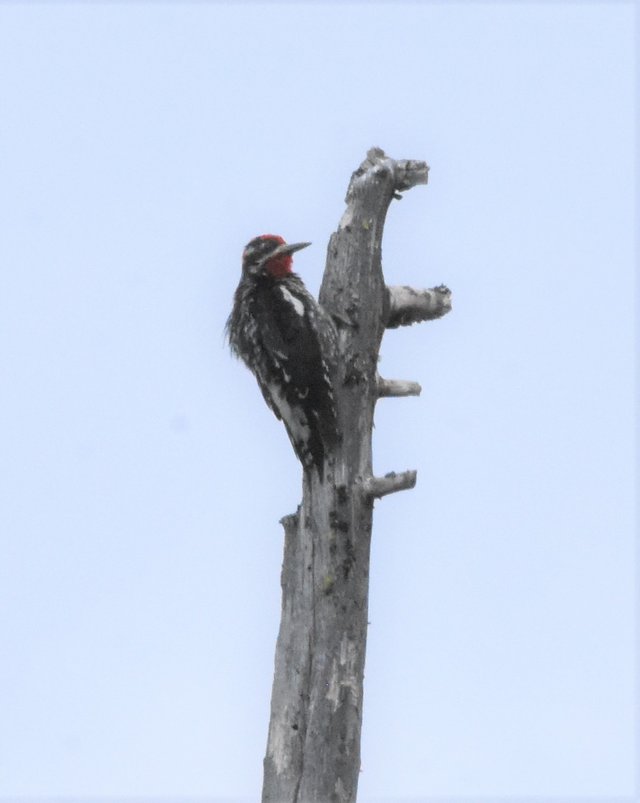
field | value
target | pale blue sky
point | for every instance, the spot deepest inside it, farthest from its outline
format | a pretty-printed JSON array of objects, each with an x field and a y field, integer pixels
[{"x": 141, "y": 476}]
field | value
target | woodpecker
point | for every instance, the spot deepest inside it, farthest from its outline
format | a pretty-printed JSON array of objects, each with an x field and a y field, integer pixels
[{"x": 288, "y": 341}]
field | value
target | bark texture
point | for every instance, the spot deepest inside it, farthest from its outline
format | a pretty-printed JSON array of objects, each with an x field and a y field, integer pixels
[{"x": 313, "y": 750}]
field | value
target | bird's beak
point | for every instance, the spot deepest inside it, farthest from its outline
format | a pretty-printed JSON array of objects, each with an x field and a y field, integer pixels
[{"x": 287, "y": 248}]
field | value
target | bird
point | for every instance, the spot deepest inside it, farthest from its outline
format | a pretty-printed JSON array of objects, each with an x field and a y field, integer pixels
[{"x": 288, "y": 341}]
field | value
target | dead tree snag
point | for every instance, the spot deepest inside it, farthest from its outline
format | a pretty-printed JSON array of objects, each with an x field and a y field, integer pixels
[{"x": 313, "y": 750}]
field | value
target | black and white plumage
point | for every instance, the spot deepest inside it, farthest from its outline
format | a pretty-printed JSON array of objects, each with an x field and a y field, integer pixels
[{"x": 289, "y": 342}]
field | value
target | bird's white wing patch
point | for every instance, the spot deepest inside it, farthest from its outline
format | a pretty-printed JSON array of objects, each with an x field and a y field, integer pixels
[
  {"x": 295, "y": 423},
  {"x": 291, "y": 299}
]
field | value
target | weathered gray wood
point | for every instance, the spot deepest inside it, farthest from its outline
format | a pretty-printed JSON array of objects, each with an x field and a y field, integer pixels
[
  {"x": 408, "y": 305},
  {"x": 377, "y": 487},
  {"x": 313, "y": 750},
  {"x": 397, "y": 387}
]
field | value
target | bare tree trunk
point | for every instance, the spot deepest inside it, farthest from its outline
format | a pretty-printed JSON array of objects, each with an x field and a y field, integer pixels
[{"x": 313, "y": 750}]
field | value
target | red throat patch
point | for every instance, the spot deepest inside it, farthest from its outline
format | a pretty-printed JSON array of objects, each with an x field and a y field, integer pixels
[{"x": 279, "y": 267}]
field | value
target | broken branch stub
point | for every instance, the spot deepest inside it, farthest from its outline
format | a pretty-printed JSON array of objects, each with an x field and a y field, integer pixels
[
  {"x": 408, "y": 305},
  {"x": 397, "y": 388},
  {"x": 391, "y": 483}
]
